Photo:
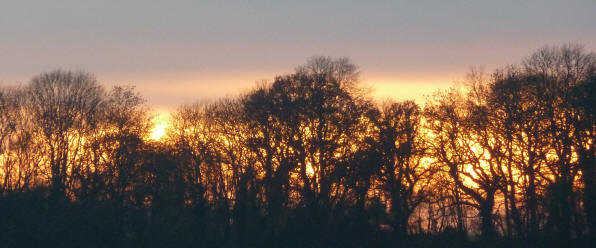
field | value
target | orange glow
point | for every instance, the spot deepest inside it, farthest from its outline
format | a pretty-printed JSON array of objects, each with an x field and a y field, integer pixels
[
  {"x": 405, "y": 89},
  {"x": 161, "y": 123},
  {"x": 310, "y": 171}
]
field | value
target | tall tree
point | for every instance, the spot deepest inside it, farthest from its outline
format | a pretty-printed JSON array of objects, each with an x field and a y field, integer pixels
[
  {"x": 556, "y": 71},
  {"x": 63, "y": 104},
  {"x": 404, "y": 174},
  {"x": 462, "y": 145}
]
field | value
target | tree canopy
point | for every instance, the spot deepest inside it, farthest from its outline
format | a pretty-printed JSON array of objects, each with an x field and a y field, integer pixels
[{"x": 308, "y": 159}]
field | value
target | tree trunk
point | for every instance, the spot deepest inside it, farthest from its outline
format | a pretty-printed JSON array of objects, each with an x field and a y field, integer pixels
[
  {"x": 588, "y": 167},
  {"x": 486, "y": 215}
]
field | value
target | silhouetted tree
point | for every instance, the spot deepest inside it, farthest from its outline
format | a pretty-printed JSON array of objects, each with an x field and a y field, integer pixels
[
  {"x": 404, "y": 174},
  {"x": 584, "y": 99},
  {"x": 63, "y": 104},
  {"x": 462, "y": 144},
  {"x": 306, "y": 160}
]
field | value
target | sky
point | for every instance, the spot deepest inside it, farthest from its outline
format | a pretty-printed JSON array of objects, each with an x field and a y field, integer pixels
[{"x": 178, "y": 52}]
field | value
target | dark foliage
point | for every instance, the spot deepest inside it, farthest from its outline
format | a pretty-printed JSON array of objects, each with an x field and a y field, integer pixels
[{"x": 308, "y": 160}]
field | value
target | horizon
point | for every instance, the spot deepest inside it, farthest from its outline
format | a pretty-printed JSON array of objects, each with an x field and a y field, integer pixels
[
  {"x": 209, "y": 50},
  {"x": 262, "y": 123}
]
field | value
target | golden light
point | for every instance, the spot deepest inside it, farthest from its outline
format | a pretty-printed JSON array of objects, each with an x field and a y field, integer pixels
[
  {"x": 158, "y": 131},
  {"x": 310, "y": 171},
  {"x": 405, "y": 89},
  {"x": 160, "y": 125}
]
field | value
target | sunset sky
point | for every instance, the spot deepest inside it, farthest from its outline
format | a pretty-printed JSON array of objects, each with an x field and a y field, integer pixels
[{"x": 178, "y": 52}]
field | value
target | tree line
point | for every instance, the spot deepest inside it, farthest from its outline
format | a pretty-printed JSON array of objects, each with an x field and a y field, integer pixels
[{"x": 306, "y": 160}]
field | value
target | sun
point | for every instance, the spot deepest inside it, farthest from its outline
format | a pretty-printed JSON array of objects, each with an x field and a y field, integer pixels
[
  {"x": 159, "y": 130},
  {"x": 160, "y": 125}
]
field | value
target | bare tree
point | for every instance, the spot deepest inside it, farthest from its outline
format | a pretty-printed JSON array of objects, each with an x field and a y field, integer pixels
[
  {"x": 403, "y": 173},
  {"x": 463, "y": 146},
  {"x": 63, "y": 104},
  {"x": 556, "y": 71}
]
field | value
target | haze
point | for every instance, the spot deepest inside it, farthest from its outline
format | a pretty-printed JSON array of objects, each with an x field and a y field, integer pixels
[{"x": 180, "y": 52}]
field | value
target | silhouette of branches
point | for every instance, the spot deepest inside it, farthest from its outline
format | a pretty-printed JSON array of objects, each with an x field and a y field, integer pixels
[{"x": 307, "y": 160}]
